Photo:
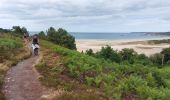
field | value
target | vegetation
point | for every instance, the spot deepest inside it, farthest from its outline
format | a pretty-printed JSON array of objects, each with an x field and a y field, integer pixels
[
  {"x": 109, "y": 54},
  {"x": 61, "y": 37},
  {"x": 133, "y": 76},
  {"x": 107, "y": 74},
  {"x": 166, "y": 55},
  {"x": 17, "y": 30},
  {"x": 125, "y": 56},
  {"x": 4, "y": 30},
  {"x": 42, "y": 35}
]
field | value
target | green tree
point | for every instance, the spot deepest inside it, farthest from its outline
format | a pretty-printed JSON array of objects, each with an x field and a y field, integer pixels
[
  {"x": 143, "y": 59},
  {"x": 5, "y": 30},
  {"x": 24, "y": 31},
  {"x": 156, "y": 58},
  {"x": 90, "y": 52},
  {"x": 166, "y": 54},
  {"x": 52, "y": 34},
  {"x": 128, "y": 54},
  {"x": 142, "y": 56},
  {"x": 42, "y": 35},
  {"x": 61, "y": 37},
  {"x": 109, "y": 54},
  {"x": 17, "y": 30}
]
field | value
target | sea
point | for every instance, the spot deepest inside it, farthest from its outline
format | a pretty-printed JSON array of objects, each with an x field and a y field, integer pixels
[{"x": 114, "y": 35}]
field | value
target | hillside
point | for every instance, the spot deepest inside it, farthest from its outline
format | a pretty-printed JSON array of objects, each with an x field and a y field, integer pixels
[
  {"x": 82, "y": 76},
  {"x": 104, "y": 75}
]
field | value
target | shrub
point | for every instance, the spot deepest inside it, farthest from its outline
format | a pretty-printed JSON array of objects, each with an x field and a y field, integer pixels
[{"x": 109, "y": 54}]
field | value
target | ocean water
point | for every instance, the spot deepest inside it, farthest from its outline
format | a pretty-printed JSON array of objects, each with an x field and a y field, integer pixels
[{"x": 113, "y": 35}]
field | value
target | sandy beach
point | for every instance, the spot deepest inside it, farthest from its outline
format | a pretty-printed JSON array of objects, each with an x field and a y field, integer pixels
[{"x": 140, "y": 46}]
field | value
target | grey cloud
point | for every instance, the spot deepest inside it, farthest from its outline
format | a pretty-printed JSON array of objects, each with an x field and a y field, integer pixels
[{"x": 83, "y": 12}]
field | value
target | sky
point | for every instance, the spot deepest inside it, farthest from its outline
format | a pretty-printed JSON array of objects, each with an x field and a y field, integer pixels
[{"x": 87, "y": 15}]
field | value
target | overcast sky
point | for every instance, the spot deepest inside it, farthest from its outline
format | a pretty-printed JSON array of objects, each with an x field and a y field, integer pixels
[{"x": 87, "y": 15}]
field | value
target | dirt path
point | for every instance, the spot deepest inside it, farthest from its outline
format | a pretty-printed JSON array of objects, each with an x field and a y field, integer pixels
[{"x": 21, "y": 82}]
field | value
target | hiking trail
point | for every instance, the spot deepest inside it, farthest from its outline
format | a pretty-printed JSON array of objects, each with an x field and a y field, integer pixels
[{"x": 22, "y": 82}]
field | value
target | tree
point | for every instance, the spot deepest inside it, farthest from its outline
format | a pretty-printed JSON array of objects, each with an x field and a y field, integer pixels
[
  {"x": 156, "y": 58},
  {"x": 42, "y": 35},
  {"x": 90, "y": 52},
  {"x": 24, "y": 31},
  {"x": 109, "y": 54},
  {"x": 17, "y": 30},
  {"x": 143, "y": 59},
  {"x": 5, "y": 30},
  {"x": 128, "y": 54},
  {"x": 142, "y": 56},
  {"x": 51, "y": 34},
  {"x": 166, "y": 53},
  {"x": 61, "y": 37}
]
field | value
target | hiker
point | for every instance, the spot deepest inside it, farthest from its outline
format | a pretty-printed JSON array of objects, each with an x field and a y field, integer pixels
[
  {"x": 25, "y": 36},
  {"x": 35, "y": 44},
  {"x": 35, "y": 39}
]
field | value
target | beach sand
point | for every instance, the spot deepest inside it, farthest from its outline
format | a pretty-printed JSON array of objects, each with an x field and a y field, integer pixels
[{"x": 140, "y": 46}]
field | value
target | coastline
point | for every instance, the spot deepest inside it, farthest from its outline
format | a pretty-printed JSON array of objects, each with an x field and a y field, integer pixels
[
  {"x": 121, "y": 40},
  {"x": 139, "y": 45}
]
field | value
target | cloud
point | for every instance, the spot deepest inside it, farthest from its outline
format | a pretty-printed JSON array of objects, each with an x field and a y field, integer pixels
[{"x": 97, "y": 15}]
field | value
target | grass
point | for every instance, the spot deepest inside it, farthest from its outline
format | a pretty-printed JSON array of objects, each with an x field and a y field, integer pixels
[
  {"x": 12, "y": 51},
  {"x": 72, "y": 71}
]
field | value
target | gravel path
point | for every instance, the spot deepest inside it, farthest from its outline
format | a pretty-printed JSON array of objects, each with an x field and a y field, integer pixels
[{"x": 21, "y": 82}]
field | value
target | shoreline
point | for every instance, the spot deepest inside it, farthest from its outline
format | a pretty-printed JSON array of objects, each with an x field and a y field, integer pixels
[
  {"x": 139, "y": 45},
  {"x": 123, "y": 40}
]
